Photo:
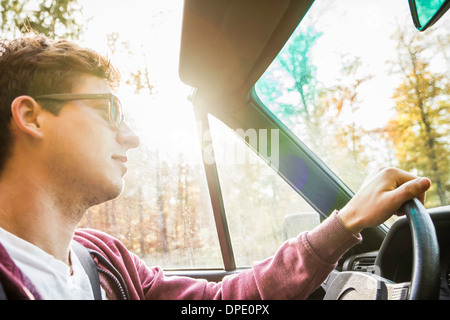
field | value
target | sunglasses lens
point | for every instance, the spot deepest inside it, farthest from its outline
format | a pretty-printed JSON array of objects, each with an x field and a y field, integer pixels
[{"x": 116, "y": 111}]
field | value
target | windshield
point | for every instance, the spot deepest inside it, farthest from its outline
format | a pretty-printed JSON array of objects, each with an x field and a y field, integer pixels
[{"x": 362, "y": 88}]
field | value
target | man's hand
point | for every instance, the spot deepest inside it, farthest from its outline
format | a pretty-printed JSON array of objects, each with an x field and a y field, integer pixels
[{"x": 382, "y": 196}]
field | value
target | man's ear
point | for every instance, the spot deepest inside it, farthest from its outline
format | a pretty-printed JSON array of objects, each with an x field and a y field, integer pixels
[{"x": 26, "y": 114}]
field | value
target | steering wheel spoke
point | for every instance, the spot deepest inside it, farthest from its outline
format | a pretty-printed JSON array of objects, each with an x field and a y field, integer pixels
[{"x": 351, "y": 285}]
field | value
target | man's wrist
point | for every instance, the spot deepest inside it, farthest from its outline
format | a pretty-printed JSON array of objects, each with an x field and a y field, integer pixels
[{"x": 349, "y": 219}]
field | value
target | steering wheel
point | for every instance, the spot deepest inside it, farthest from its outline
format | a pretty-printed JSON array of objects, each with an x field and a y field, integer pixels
[{"x": 425, "y": 281}]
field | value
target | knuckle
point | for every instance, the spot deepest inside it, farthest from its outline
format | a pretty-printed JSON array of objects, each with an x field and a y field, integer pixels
[{"x": 388, "y": 171}]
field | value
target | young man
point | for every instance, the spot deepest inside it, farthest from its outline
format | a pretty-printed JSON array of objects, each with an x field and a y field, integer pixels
[{"x": 64, "y": 149}]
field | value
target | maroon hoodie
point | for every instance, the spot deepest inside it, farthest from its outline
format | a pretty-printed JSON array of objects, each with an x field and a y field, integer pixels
[{"x": 298, "y": 267}]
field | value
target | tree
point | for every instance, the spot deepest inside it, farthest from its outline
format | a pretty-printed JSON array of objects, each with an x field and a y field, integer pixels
[
  {"x": 342, "y": 102},
  {"x": 420, "y": 128},
  {"x": 55, "y": 19},
  {"x": 162, "y": 199},
  {"x": 290, "y": 88},
  {"x": 295, "y": 59},
  {"x": 292, "y": 72}
]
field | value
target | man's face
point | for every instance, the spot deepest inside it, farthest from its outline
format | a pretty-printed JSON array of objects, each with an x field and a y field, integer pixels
[{"x": 84, "y": 152}]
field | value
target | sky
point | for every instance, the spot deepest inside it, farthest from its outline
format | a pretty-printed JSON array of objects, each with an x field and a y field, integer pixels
[{"x": 152, "y": 25}]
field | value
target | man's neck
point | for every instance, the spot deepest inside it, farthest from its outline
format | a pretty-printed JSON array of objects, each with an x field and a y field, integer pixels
[{"x": 35, "y": 214}]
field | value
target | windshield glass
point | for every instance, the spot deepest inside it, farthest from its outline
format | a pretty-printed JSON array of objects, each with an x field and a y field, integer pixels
[{"x": 362, "y": 88}]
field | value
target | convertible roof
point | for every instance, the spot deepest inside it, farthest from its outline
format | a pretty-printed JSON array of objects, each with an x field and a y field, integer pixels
[{"x": 226, "y": 45}]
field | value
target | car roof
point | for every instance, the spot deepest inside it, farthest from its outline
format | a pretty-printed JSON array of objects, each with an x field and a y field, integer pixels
[{"x": 226, "y": 45}]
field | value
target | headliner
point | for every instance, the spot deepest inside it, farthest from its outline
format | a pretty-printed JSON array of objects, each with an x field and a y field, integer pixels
[{"x": 226, "y": 45}]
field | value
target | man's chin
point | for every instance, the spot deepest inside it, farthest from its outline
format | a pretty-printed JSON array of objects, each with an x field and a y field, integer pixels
[
  {"x": 103, "y": 194},
  {"x": 115, "y": 191}
]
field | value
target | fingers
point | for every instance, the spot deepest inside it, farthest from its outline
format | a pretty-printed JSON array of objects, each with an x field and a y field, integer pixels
[
  {"x": 405, "y": 186},
  {"x": 413, "y": 189}
]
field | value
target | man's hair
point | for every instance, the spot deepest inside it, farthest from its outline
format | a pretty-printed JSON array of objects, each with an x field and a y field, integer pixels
[{"x": 36, "y": 65}]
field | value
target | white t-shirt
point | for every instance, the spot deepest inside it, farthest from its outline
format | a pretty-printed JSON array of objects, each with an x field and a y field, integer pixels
[{"x": 50, "y": 276}]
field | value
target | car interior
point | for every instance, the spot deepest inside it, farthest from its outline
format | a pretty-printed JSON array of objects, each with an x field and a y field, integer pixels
[{"x": 409, "y": 260}]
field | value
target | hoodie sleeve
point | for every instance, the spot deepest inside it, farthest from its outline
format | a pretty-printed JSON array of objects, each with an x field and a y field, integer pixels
[{"x": 298, "y": 267}]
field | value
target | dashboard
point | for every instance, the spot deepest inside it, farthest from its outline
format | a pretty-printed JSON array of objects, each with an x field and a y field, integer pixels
[{"x": 394, "y": 260}]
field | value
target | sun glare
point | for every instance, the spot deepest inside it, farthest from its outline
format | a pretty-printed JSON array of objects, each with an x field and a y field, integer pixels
[{"x": 144, "y": 37}]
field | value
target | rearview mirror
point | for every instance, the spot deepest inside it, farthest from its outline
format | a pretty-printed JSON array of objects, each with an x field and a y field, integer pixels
[{"x": 426, "y": 12}]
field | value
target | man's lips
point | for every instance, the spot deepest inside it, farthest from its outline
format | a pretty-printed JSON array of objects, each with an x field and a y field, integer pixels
[
  {"x": 122, "y": 161},
  {"x": 120, "y": 158}
]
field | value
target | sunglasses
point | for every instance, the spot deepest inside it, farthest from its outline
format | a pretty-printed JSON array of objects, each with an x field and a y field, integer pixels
[{"x": 115, "y": 111}]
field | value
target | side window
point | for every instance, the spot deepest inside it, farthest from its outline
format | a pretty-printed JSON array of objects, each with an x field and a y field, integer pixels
[
  {"x": 164, "y": 213},
  {"x": 262, "y": 209}
]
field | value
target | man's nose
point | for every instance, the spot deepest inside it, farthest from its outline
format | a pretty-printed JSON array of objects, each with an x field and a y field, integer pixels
[{"x": 127, "y": 137}]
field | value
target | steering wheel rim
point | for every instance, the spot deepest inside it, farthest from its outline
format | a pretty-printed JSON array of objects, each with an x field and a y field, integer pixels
[{"x": 426, "y": 264}]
